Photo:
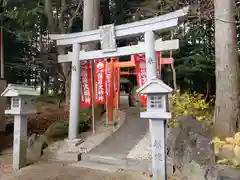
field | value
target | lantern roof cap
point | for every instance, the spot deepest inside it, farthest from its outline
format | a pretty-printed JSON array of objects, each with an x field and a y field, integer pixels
[
  {"x": 154, "y": 86},
  {"x": 15, "y": 90}
]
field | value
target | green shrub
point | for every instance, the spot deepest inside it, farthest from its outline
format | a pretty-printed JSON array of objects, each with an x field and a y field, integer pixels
[
  {"x": 59, "y": 129},
  {"x": 187, "y": 104},
  {"x": 47, "y": 99}
]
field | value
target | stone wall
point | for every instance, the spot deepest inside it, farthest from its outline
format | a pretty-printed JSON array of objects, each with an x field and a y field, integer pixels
[{"x": 189, "y": 146}]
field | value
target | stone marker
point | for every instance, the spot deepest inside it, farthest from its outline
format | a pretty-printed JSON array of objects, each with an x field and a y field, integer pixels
[{"x": 156, "y": 92}]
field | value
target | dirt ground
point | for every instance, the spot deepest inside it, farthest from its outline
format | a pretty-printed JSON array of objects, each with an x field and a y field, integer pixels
[{"x": 58, "y": 171}]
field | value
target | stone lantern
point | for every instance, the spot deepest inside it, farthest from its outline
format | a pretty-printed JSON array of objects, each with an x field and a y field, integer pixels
[
  {"x": 20, "y": 106},
  {"x": 157, "y": 92}
]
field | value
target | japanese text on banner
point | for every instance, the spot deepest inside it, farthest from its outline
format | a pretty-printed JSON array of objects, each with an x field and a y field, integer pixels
[
  {"x": 141, "y": 74},
  {"x": 99, "y": 83},
  {"x": 85, "y": 84},
  {"x": 108, "y": 79}
]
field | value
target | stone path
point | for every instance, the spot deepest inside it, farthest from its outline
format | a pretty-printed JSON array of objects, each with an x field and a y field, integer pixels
[
  {"x": 117, "y": 150},
  {"x": 113, "y": 152},
  {"x": 142, "y": 150},
  {"x": 123, "y": 141}
]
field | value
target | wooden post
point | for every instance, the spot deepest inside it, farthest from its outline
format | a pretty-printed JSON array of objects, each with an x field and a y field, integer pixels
[
  {"x": 106, "y": 86},
  {"x": 93, "y": 96},
  {"x": 118, "y": 93},
  {"x": 111, "y": 93}
]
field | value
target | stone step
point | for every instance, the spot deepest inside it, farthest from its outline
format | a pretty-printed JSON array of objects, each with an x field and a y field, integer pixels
[
  {"x": 102, "y": 159},
  {"x": 127, "y": 163},
  {"x": 66, "y": 156},
  {"x": 140, "y": 165},
  {"x": 96, "y": 166}
]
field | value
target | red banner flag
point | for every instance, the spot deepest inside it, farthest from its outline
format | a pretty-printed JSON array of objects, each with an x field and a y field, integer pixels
[
  {"x": 85, "y": 84},
  {"x": 108, "y": 79},
  {"x": 140, "y": 62},
  {"x": 116, "y": 85},
  {"x": 110, "y": 88},
  {"x": 141, "y": 74},
  {"x": 141, "y": 69},
  {"x": 158, "y": 63},
  {"x": 100, "y": 80},
  {"x": 160, "y": 60},
  {"x": 115, "y": 79}
]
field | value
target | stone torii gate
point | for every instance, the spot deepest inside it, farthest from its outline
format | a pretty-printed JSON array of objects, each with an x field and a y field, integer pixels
[{"x": 107, "y": 36}]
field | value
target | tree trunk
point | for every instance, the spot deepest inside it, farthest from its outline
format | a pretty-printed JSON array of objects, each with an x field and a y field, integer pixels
[
  {"x": 66, "y": 68},
  {"x": 105, "y": 12},
  {"x": 119, "y": 15},
  {"x": 53, "y": 28},
  {"x": 227, "y": 110},
  {"x": 91, "y": 14}
]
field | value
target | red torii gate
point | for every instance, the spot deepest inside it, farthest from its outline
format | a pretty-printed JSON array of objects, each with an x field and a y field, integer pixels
[{"x": 112, "y": 101}]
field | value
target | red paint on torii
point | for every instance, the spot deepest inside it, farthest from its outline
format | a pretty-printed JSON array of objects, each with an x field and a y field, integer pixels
[{"x": 113, "y": 64}]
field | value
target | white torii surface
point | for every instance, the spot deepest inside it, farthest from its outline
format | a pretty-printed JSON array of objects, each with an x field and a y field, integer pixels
[
  {"x": 122, "y": 51},
  {"x": 158, "y": 23},
  {"x": 108, "y": 35}
]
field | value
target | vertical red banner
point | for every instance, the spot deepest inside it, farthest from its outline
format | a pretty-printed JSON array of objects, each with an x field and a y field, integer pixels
[
  {"x": 100, "y": 80},
  {"x": 159, "y": 64},
  {"x": 85, "y": 84},
  {"x": 141, "y": 61},
  {"x": 115, "y": 78},
  {"x": 116, "y": 84},
  {"x": 141, "y": 74},
  {"x": 108, "y": 79},
  {"x": 110, "y": 89}
]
